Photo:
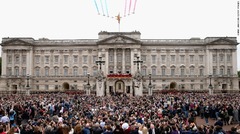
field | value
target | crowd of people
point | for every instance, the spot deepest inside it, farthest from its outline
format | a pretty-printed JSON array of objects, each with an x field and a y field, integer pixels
[{"x": 61, "y": 113}]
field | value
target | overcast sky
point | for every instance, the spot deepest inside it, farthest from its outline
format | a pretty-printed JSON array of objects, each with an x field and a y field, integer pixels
[{"x": 155, "y": 19}]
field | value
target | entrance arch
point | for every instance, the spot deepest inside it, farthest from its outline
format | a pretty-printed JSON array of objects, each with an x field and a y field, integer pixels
[
  {"x": 119, "y": 86},
  {"x": 65, "y": 86},
  {"x": 173, "y": 85}
]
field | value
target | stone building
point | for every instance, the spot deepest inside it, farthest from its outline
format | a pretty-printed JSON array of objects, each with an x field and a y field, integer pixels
[{"x": 124, "y": 64}]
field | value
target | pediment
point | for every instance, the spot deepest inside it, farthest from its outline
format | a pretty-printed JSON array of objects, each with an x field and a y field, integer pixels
[
  {"x": 223, "y": 41},
  {"x": 16, "y": 42},
  {"x": 119, "y": 39}
]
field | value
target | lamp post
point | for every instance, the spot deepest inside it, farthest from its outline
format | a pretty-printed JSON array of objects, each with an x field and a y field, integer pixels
[
  {"x": 100, "y": 62},
  {"x": 138, "y": 62},
  {"x": 28, "y": 86},
  {"x": 88, "y": 86},
  {"x": 150, "y": 85},
  {"x": 210, "y": 85}
]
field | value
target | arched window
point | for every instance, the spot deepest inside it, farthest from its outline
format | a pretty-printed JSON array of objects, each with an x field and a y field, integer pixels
[
  {"x": 154, "y": 71},
  {"x": 182, "y": 70},
  {"x": 85, "y": 71},
  {"x": 46, "y": 71},
  {"x": 16, "y": 71},
  {"x": 75, "y": 71},
  {"x": 163, "y": 70},
  {"x": 56, "y": 71},
  {"x": 191, "y": 70},
  {"x": 65, "y": 71}
]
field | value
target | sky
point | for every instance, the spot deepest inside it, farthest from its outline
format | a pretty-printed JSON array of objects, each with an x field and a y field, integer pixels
[{"x": 155, "y": 19}]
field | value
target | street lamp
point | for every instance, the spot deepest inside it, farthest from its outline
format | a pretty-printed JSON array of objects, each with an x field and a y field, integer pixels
[
  {"x": 28, "y": 86},
  {"x": 88, "y": 86},
  {"x": 150, "y": 85},
  {"x": 138, "y": 62},
  {"x": 100, "y": 62},
  {"x": 210, "y": 85}
]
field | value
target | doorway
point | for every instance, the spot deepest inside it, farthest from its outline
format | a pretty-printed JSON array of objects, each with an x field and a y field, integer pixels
[
  {"x": 119, "y": 87},
  {"x": 65, "y": 86}
]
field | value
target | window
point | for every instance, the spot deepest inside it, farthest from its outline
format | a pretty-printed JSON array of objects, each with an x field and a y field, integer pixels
[
  {"x": 153, "y": 59},
  {"x": 37, "y": 59},
  {"x": 119, "y": 57},
  {"x": 191, "y": 71},
  {"x": 85, "y": 71},
  {"x": 221, "y": 71},
  {"x": 24, "y": 59},
  {"x": 75, "y": 59},
  {"x": 201, "y": 73},
  {"x": 214, "y": 58},
  {"x": 9, "y": 71},
  {"x": 46, "y": 59},
  {"x": 127, "y": 58},
  {"x": 144, "y": 58},
  {"x": 192, "y": 86},
  {"x": 56, "y": 87},
  {"x": 229, "y": 71},
  {"x": 16, "y": 72},
  {"x": 172, "y": 71},
  {"x": 182, "y": 71},
  {"x": 24, "y": 71},
  {"x": 163, "y": 57},
  {"x": 85, "y": 59},
  {"x": 229, "y": 58},
  {"x": 46, "y": 71},
  {"x": 37, "y": 87},
  {"x": 144, "y": 71},
  {"x": 56, "y": 71},
  {"x": 221, "y": 58},
  {"x": 65, "y": 71},
  {"x": 163, "y": 71},
  {"x": 94, "y": 72},
  {"x": 75, "y": 71},
  {"x": 37, "y": 71},
  {"x": 154, "y": 71},
  {"x": 191, "y": 58},
  {"x": 201, "y": 58},
  {"x": 111, "y": 58},
  {"x": 214, "y": 71},
  {"x": 172, "y": 58},
  {"x": 182, "y": 58},
  {"x": 201, "y": 86},
  {"x": 65, "y": 59},
  {"x": 56, "y": 57},
  {"x": 94, "y": 59},
  {"x": 17, "y": 59},
  {"x": 46, "y": 87},
  {"x": 9, "y": 59}
]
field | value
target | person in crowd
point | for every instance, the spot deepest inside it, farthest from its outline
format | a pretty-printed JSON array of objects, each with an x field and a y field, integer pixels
[{"x": 58, "y": 113}]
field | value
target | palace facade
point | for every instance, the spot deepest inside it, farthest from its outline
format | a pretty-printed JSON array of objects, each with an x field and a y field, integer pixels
[{"x": 119, "y": 62}]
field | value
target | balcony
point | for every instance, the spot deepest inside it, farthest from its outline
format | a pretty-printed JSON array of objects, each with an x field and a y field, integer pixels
[{"x": 119, "y": 75}]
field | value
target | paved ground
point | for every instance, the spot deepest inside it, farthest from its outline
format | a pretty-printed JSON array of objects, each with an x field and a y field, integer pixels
[{"x": 211, "y": 122}]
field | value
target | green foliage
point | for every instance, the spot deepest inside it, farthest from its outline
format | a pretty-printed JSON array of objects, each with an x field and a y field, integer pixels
[
  {"x": 238, "y": 74},
  {"x": 0, "y": 65}
]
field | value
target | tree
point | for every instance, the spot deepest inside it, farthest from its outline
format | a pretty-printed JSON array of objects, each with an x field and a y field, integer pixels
[
  {"x": 0, "y": 65},
  {"x": 238, "y": 74}
]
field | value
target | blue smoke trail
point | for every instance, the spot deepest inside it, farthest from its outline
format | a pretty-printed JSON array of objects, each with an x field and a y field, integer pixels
[{"x": 96, "y": 6}]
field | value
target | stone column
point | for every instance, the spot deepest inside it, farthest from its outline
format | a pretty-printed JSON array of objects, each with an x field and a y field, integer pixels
[
  {"x": 208, "y": 62},
  {"x": 234, "y": 62},
  {"x": 13, "y": 61},
  {"x": 133, "y": 67},
  {"x": 106, "y": 62},
  {"x": 4, "y": 63},
  {"x": 115, "y": 61},
  {"x": 123, "y": 62}
]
